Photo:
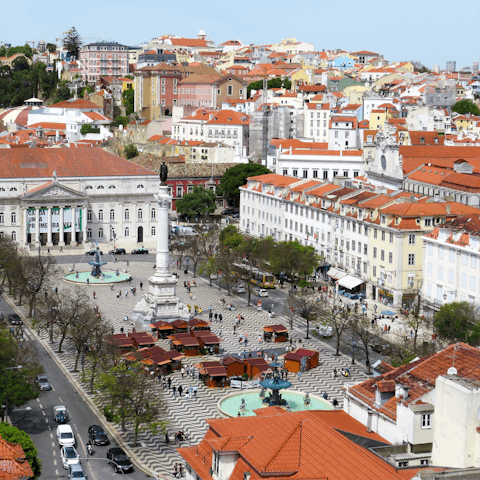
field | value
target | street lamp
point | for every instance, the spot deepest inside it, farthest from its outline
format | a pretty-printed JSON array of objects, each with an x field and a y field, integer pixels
[
  {"x": 449, "y": 291},
  {"x": 354, "y": 345}
]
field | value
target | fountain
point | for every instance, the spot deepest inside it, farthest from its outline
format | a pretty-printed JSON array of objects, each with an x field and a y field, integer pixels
[
  {"x": 96, "y": 264},
  {"x": 275, "y": 384}
]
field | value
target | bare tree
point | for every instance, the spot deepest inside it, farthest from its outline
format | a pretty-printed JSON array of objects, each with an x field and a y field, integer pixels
[{"x": 365, "y": 334}]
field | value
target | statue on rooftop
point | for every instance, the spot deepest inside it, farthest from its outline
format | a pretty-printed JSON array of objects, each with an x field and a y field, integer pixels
[{"x": 163, "y": 173}]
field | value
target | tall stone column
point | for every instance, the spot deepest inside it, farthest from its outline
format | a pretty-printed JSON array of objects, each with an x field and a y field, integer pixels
[
  {"x": 49, "y": 227},
  {"x": 61, "y": 240},
  {"x": 25, "y": 226},
  {"x": 73, "y": 238},
  {"x": 84, "y": 224},
  {"x": 37, "y": 226}
]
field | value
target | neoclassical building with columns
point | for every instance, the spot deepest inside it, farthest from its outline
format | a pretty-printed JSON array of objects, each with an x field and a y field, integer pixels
[{"x": 67, "y": 196}]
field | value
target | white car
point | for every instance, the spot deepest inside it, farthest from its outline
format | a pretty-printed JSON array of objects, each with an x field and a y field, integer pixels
[
  {"x": 262, "y": 293},
  {"x": 325, "y": 330},
  {"x": 239, "y": 288},
  {"x": 69, "y": 456},
  {"x": 65, "y": 436}
]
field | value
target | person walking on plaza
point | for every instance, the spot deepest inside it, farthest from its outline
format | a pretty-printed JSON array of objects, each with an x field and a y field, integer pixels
[
  {"x": 182, "y": 371},
  {"x": 94, "y": 294},
  {"x": 175, "y": 470},
  {"x": 234, "y": 328},
  {"x": 141, "y": 285},
  {"x": 180, "y": 471},
  {"x": 180, "y": 390},
  {"x": 169, "y": 383},
  {"x": 220, "y": 318},
  {"x": 216, "y": 316},
  {"x": 334, "y": 373},
  {"x": 174, "y": 390},
  {"x": 375, "y": 308},
  {"x": 210, "y": 315},
  {"x": 299, "y": 376}
]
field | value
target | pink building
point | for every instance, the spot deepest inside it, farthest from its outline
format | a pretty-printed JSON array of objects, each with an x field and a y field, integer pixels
[{"x": 103, "y": 58}]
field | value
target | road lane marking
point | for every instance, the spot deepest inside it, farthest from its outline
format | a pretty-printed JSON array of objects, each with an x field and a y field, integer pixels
[
  {"x": 54, "y": 453},
  {"x": 46, "y": 420},
  {"x": 40, "y": 406},
  {"x": 51, "y": 435},
  {"x": 38, "y": 400},
  {"x": 56, "y": 471},
  {"x": 53, "y": 389},
  {"x": 44, "y": 414},
  {"x": 60, "y": 398},
  {"x": 53, "y": 444}
]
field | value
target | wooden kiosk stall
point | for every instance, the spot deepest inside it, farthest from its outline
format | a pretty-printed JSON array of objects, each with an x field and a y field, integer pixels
[
  {"x": 180, "y": 326},
  {"x": 161, "y": 329},
  {"x": 301, "y": 357},
  {"x": 208, "y": 341},
  {"x": 235, "y": 366},
  {"x": 197, "y": 324},
  {"x": 142, "y": 339},
  {"x": 185, "y": 343},
  {"x": 275, "y": 333},
  {"x": 121, "y": 341},
  {"x": 175, "y": 357},
  {"x": 159, "y": 363},
  {"x": 254, "y": 366},
  {"x": 213, "y": 374}
]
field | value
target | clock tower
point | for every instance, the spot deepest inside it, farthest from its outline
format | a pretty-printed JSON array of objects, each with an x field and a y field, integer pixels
[{"x": 385, "y": 167}]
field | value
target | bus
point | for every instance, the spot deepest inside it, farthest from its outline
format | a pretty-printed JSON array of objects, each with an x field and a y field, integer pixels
[{"x": 259, "y": 278}]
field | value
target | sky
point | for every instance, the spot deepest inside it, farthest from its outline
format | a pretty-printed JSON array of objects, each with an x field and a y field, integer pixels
[{"x": 421, "y": 30}]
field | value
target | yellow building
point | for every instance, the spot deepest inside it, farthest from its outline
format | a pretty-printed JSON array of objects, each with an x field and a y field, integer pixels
[
  {"x": 355, "y": 93},
  {"x": 378, "y": 117},
  {"x": 127, "y": 83}
]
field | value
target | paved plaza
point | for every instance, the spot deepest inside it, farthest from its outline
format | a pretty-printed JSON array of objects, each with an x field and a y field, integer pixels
[{"x": 190, "y": 415}]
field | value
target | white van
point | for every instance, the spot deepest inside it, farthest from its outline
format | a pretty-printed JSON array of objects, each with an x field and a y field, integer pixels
[{"x": 65, "y": 436}]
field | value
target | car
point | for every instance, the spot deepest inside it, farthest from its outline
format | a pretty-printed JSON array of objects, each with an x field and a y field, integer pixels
[
  {"x": 117, "y": 251},
  {"x": 325, "y": 330},
  {"x": 228, "y": 211},
  {"x": 138, "y": 251},
  {"x": 69, "y": 456},
  {"x": 118, "y": 459},
  {"x": 235, "y": 215},
  {"x": 383, "y": 349},
  {"x": 261, "y": 293},
  {"x": 60, "y": 414},
  {"x": 65, "y": 436},
  {"x": 97, "y": 435},
  {"x": 239, "y": 288},
  {"x": 43, "y": 382},
  {"x": 76, "y": 471},
  {"x": 14, "y": 319},
  {"x": 93, "y": 252}
]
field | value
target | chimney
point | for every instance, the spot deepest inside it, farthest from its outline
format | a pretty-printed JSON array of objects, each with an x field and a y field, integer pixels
[
  {"x": 246, "y": 475},
  {"x": 369, "y": 421},
  {"x": 448, "y": 208}
]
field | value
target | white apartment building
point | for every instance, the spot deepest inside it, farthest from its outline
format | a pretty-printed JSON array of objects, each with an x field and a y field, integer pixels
[
  {"x": 343, "y": 133},
  {"x": 316, "y": 121}
]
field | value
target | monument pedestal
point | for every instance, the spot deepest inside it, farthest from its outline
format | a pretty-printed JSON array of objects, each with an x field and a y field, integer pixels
[{"x": 161, "y": 302}]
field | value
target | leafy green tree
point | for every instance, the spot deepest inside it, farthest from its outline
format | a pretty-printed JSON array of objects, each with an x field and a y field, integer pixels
[
  {"x": 63, "y": 92},
  {"x": 458, "y": 322},
  {"x": 305, "y": 304},
  {"x": 230, "y": 237},
  {"x": 198, "y": 203},
  {"x": 128, "y": 100},
  {"x": 87, "y": 128},
  {"x": 120, "y": 120},
  {"x": 131, "y": 151},
  {"x": 51, "y": 47},
  {"x": 272, "y": 83},
  {"x": 466, "y": 106},
  {"x": 25, "y": 49},
  {"x": 72, "y": 42},
  {"x": 14, "y": 435},
  {"x": 237, "y": 176},
  {"x": 20, "y": 63}
]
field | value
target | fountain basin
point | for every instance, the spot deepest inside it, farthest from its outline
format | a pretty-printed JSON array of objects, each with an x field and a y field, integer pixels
[
  {"x": 229, "y": 405},
  {"x": 109, "y": 278}
]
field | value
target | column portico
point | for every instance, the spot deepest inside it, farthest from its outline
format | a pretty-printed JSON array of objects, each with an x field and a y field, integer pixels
[
  {"x": 49, "y": 227},
  {"x": 73, "y": 229},
  {"x": 61, "y": 240},
  {"x": 84, "y": 224},
  {"x": 25, "y": 226},
  {"x": 37, "y": 226}
]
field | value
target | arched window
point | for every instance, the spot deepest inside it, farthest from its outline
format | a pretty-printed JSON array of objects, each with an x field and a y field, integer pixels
[
  {"x": 153, "y": 214},
  {"x": 89, "y": 215},
  {"x": 127, "y": 232},
  {"x": 2, "y": 217},
  {"x": 88, "y": 187},
  {"x": 100, "y": 187},
  {"x": 89, "y": 233},
  {"x": 112, "y": 186},
  {"x": 140, "y": 186},
  {"x": 100, "y": 233},
  {"x": 112, "y": 214},
  {"x": 2, "y": 189},
  {"x": 100, "y": 214},
  {"x": 14, "y": 236},
  {"x": 13, "y": 189},
  {"x": 14, "y": 217},
  {"x": 140, "y": 214},
  {"x": 154, "y": 231},
  {"x": 127, "y": 214}
]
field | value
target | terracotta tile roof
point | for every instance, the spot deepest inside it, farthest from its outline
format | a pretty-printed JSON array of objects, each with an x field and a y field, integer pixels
[
  {"x": 414, "y": 209},
  {"x": 229, "y": 117},
  {"x": 88, "y": 162},
  {"x": 76, "y": 103},
  {"x": 200, "y": 78},
  {"x": 274, "y": 179},
  {"x": 295, "y": 445},
  {"x": 49, "y": 125},
  {"x": 13, "y": 463},
  {"x": 189, "y": 42},
  {"x": 429, "y": 138},
  {"x": 97, "y": 116}
]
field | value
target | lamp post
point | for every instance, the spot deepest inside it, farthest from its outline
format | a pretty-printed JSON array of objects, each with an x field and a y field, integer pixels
[
  {"x": 354, "y": 345},
  {"x": 449, "y": 291}
]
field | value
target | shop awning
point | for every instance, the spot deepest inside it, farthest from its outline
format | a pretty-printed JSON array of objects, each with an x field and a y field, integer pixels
[
  {"x": 350, "y": 282},
  {"x": 336, "y": 274}
]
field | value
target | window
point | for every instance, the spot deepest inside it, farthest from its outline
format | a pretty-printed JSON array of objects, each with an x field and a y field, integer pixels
[
  {"x": 424, "y": 462},
  {"x": 153, "y": 231},
  {"x": 89, "y": 233},
  {"x": 140, "y": 186},
  {"x": 315, "y": 174},
  {"x": 100, "y": 233},
  {"x": 100, "y": 214},
  {"x": 140, "y": 214},
  {"x": 215, "y": 462},
  {"x": 127, "y": 232},
  {"x": 383, "y": 236},
  {"x": 465, "y": 259},
  {"x": 89, "y": 215},
  {"x": 153, "y": 214},
  {"x": 374, "y": 271},
  {"x": 14, "y": 235},
  {"x": 2, "y": 217},
  {"x": 390, "y": 257},
  {"x": 127, "y": 214},
  {"x": 382, "y": 255},
  {"x": 426, "y": 420},
  {"x": 391, "y": 238},
  {"x": 14, "y": 217},
  {"x": 411, "y": 239},
  {"x": 285, "y": 172},
  {"x": 112, "y": 214},
  {"x": 411, "y": 259},
  {"x": 230, "y": 90},
  {"x": 295, "y": 173},
  {"x": 179, "y": 192},
  {"x": 440, "y": 252},
  {"x": 428, "y": 222},
  {"x": 375, "y": 233},
  {"x": 374, "y": 252},
  {"x": 403, "y": 464}
]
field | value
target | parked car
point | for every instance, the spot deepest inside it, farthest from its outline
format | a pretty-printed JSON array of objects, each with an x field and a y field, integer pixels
[
  {"x": 235, "y": 215},
  {"x": 119, "y": 460},
  {"x": 325, "y": 330},
  {"x": 65, "y": 436},
  {"x": 76, "y": 471},
  {"x": 383, "y": 349},
  {"x": 14, "y": 319},
  {"x": 261, "y": 293},
  {"x": 43, "y": 382},
  {"x": 137, "y": 251},
  {"x": 229, "y": 211},
  {"x": 239, "y": 288},
  {"x": 69, "y": 456},
  {"x": 97, "y": 435},
  {"x": 117, "y": 251},
  {"x": 93, "y": 252},
  {"x": 60, "y": 414}
]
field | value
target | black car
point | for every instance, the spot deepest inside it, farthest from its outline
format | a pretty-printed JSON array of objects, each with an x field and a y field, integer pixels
[
  {"x": 117, "y": 251},
  {"x": 43, "y": 383},
  {"x": 97, "y": 435},
  {"x": 93, "y": 252},
  {"x": 119, "y": 460},
  {"x": 229, "y": 211},
  {"x": 138, "y": 251},
  {"x": 14, "y": 319}
]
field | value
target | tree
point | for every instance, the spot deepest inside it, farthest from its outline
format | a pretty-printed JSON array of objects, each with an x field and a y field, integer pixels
[
  {"x": 14, "y": 435},
  {"x": 293, "y": 259},
  {"x": 272, "y": 83},
  {"x": 128, "y": 392},
  {"x": 51, "y": 47},
  {"x": 198, "y": 203},
  {"x": 131, "y": 151},
  {"x": 129, "y": 100},
  {"x": 235, "y": 177},
  {"x": 20, "y": 63},
  {"x": 305, "y": 304},
  {"x": 364, "y": 333},
  {"x": 120, "y": 120},
  {"x": 466, "y": 106},
  {"x": 72, "y": 42},
  {"x": 63, "y": 92},
  {"x": 414, "y": 317},
  {"x": 458, "y": 322}
]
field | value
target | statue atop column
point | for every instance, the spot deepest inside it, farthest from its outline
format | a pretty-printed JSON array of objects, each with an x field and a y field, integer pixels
[
  {"x": 163, "y": 173},
  {"x": 54, "y": 175}
]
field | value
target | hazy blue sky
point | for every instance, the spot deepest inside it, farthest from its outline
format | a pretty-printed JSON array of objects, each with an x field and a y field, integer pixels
[{"x": 424, "y": 30}]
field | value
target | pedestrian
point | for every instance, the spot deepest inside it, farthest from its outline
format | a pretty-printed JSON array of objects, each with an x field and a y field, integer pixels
[
  {"x": 375, "y": 308},
  {"x": 180, "y": 471},
  {"x": 234, "y": 328},
  {"x": 88, "y": 282},
  {"x": 210, "y": 308},
  {"x": 299, "y": 376},
  {"x": 210, "y": 315},
  {"x": 334, "y": 373},
  {"x": 121, "y": 329},
  {"x": 389, "y": 327},
  {"x": 175, "y": 470},
  {"x": 180, "y": 390},
  {"x": 216, "y": 316},
  {"x": 335, "y": 402},
  {"x": 169, "y": 383},
  {"x": 126, "y": 293},
  {"x": 411, "y": 333},
  {"x": 373, "y": 322},
  {"x": 192, "y": 372},
  {"x": 195, "y": 392},
  {"x": 94, "y": 294},
  {"x": 182, "y": 371},
  {"x": 174, "y": 390},
  {"x": 220, "y": 318},
  {"x": 141, "y": 285},
  {"x": 128, "y": 263},
  {"x": 61, "y": 249}
]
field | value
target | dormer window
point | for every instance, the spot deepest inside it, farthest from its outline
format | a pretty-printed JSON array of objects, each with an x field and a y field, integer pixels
[
  {"x": 383, "y": 218},
  {"x": 422, "y": 140}
]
